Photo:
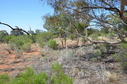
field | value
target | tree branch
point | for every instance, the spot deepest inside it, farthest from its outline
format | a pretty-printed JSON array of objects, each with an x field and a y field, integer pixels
[
  {"x": 17, "y": 28},
  {"x": 7, "y": 25},
  {"x": 106, "y": 3}
]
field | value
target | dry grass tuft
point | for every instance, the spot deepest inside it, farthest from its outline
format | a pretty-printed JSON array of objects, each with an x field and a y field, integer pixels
[{"x": 112, "y": 77}]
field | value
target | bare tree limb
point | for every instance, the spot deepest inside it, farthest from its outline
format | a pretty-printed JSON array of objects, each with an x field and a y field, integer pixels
[
  {"x": 7, "y": 25},
  {"x": 106, "y": 3},
  {"x": 17, "y": 28}
]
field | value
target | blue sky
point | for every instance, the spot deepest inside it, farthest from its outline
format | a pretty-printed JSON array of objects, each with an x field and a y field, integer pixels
[{"x": 23, "y": 13}]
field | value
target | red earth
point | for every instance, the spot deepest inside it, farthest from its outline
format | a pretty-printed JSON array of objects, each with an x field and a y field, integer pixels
[
  {"x": 13, "y": 62},
  {"x": 9, "y": 63}
]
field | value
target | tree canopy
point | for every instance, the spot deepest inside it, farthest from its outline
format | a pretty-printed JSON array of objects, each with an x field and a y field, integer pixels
[{"x": 78, "y": 15}]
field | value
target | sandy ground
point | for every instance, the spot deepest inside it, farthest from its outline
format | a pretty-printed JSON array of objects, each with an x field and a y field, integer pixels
[{"x": 14, "y": 62}]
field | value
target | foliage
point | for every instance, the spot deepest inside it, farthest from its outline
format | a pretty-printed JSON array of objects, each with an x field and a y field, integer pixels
[
  {"x": 122, "y": 56},
  {"x": 111, "y": 35},
  {"x": 98, "y": 53},
  {"x": 93, "y": 59},
  {"x": 80, "y": 27},
  {"x": 7, "y": 38},
  {"x": 63, "y": 24},
  {"x": 72, "y": 36},
  {"x": 79, "y": 15},
  {"x": 3, "y": 34},
  {"x": 91, "y": 31},
  {"x": 17, "y": 32},
  {"x": 38, "y": 31},
  {"x": 4, "y": 78},
  {"x": 52, "y": 44},
  {"x": 43, "y": 38},
  {"x": 26, "y": 46},
  {"x": 94, "y": 36},
  {"x": 29, "y": 77},
  {"x": 105, "y": 30},
  {"x": 58, "y": 76},
  {"x": 20, "y": 43}
]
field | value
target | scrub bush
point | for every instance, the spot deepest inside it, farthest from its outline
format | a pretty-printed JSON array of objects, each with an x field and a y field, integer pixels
[
  {"x": 52, "y": 44},
  {"x": 29, "y": 77}
]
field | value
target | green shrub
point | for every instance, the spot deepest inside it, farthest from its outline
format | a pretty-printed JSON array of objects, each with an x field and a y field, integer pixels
[
  {"x": 94, "y": 36},
  {"x": 72, "y": 36},
  {"x": 98, "y": 53},
  {"x": 52, "y": 44},
  {"x": 103, "y": 47},
  {"x": 58, "y": 76},
  {"x": 26, "y": 47},
  {"x": 104, "y": 34},
  {"x": 41, "y": 43},
  {"x": 22, "y": 43},
  {"x": 7, "y": 38},
  {"x": 111, "y": 35},
  {"x": 93, "y": 59},
  {"x": 3, "y": 34},
  {"x": 29, "y": 77},
  {"x": 43, "y": 38},
  {"x": 4, "y": 78},
  {"x": 122, "y": 56}
]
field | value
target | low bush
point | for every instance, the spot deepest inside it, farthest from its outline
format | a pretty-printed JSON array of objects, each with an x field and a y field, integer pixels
[
  {"x": 58, "y": 76},
  {"x": 3, "y": 34},
  {"x": 111, "y": 35},
  {"x": 95, "y": 36},
  {"x": 52, "y": 44},
  {"x": 122, "y": 56},
  {"x": 29, "y": 77},
  {"x": 4, "y": 78},
  {"x": 22, "y": 43},
  {"x": 72, "y": 36},
  {"x": 7, "y": 38},
  {"x": 98, "y": 53},
  {"x": 43, "y": 38}
]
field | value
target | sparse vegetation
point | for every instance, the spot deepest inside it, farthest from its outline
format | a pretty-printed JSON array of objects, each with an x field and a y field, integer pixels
[
  {"x": 43, "y": 38},
  {"x": 4, "y": 78},
  {"x": 100, "y": 24},
  {"x": 58, "y": 76},
  {"x": 122, "y": 56},
  {"x": 20, "y": 43},
  {"x": 29, "y": 77},
  {"x": 52, "y": 44},
  {"x": 112, "y": 77},
  {"x": 94, "y": 36}
]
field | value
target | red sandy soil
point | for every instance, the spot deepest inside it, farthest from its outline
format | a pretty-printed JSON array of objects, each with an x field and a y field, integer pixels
[
  {"x": 13, "y": 61},
  {"x": 10, "y": 63}
]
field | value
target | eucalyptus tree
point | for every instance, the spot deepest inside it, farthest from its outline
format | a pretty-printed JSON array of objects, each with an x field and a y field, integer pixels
[
  {"x": 95, "y": 12},
  {"x": 65, "y": 24},
  {"x": 67, "y": 19},
  {"x": 55, "y": 24}
]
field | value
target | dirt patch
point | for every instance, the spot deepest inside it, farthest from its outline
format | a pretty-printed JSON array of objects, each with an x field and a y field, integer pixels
[{"x": 9, "y": 63}]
